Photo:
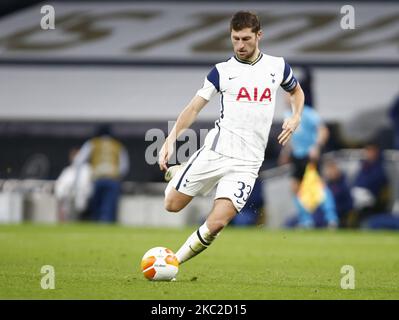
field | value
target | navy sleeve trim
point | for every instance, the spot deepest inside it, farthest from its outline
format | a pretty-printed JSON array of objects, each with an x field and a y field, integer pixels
[
  {"x": 289, "y": 81},
  {"x": 213, "y": 77}
]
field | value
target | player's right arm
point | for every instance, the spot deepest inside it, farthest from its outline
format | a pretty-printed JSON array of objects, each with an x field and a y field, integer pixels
[
  {"x": 184, "y": 121},
  {"x": 189, "y": 114}
]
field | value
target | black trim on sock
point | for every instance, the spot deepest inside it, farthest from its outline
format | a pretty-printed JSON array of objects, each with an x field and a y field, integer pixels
[
  {"x": 202, "y": 240},
  {"x": 193, "y": 250}
]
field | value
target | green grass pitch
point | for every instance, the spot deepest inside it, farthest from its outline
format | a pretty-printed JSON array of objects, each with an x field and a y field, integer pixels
[{"x": 102, "y": 262}]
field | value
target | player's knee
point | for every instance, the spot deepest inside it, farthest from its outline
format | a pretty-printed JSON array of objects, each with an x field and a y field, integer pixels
[{"x": 171, "y": 205}]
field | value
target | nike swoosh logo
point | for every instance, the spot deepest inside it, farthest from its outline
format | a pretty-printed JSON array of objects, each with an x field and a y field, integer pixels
[
  {"x": 231, "y": 78},
  {"x": 272, "y": 74}
]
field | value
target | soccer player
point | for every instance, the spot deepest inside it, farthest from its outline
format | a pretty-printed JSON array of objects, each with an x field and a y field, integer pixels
[{"x": 234, "y": 150}]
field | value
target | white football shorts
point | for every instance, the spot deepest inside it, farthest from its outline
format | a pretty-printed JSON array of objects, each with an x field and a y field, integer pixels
[{"x": 206, "y": 168}]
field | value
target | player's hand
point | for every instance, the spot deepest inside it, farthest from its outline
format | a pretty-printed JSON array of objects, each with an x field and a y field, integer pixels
[
  {"x": 164, "y": 155},
  {"x": 289, "y": 126}
]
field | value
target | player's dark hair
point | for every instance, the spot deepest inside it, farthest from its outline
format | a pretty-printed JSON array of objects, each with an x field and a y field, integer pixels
[{"x": 245, "y": 19}]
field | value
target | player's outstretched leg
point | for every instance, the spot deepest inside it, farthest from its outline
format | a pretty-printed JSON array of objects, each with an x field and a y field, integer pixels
[
  {"x": 222, "y": 212},
  {"x": 175, "y": 200}
]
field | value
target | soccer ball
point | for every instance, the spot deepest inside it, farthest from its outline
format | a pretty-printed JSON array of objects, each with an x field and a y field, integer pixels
[{"x": 159, "y": 263}]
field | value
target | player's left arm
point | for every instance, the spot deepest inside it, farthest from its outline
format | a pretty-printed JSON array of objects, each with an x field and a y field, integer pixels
[{"x": 297, "y": 99}]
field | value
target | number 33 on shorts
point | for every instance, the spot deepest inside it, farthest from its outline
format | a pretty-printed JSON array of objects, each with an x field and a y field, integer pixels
[{"x": 243, "y": 192}]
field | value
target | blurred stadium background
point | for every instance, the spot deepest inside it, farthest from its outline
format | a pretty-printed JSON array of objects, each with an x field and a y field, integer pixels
[{"x": 135, "y": 64}]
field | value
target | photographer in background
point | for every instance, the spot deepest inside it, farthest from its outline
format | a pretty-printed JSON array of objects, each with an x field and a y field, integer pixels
[{"x": 109, "y": 161}]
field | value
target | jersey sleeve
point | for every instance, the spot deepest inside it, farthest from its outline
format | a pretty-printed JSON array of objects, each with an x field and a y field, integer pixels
[
  {"x": 211, "y": 85},
  {"x": 289, "y": 81}
]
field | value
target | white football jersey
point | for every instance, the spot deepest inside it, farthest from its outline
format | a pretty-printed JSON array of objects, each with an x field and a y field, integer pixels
[{"x": 247, "y": 98}]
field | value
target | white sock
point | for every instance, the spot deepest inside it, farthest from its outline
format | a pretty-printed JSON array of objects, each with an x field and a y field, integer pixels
[{"x": 196, "y": 243}]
